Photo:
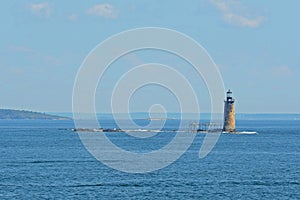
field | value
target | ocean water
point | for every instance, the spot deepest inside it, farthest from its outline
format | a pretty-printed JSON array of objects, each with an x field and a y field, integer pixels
[{"x": 46, "y": 160}]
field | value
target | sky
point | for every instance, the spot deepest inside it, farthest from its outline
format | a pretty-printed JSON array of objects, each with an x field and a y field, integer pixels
[{"x": 255, "y": 45}]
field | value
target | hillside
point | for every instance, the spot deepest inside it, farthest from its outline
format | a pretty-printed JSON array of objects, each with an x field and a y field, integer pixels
[{"x": 23, "y": 114}]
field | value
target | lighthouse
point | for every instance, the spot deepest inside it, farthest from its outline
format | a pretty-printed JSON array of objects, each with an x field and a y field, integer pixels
[{"x": 229, "y": 116}]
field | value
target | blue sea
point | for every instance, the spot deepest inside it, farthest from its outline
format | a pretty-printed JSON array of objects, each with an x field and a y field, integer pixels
[{"x": 41, "y": 159}]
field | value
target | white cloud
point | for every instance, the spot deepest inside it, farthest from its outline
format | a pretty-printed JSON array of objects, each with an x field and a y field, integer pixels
[
  {"x": 243, "y": 21},
  {"x": 20, "y": 49},
  {"x": 73, "y": 17},
  {"x": 103, "y": 10},
  {"x": 282, "y": 71},
  {"x": 41, "y": 9},
  {"x": 34, "y": 54},
  {"x": 235, "y": 13}
]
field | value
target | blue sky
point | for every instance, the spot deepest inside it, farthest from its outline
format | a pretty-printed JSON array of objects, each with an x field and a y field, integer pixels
[{"x": 254, "y": 43}]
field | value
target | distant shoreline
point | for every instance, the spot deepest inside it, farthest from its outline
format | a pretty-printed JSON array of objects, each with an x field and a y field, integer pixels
[
  {"x": 158, "y": 119},
  {"x": 10, "y": 114},
  {"x": 13, "y": 114}
]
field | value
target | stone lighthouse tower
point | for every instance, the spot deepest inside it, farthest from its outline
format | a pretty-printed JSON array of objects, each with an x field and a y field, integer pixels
[{"x": 229, "y": 116}]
